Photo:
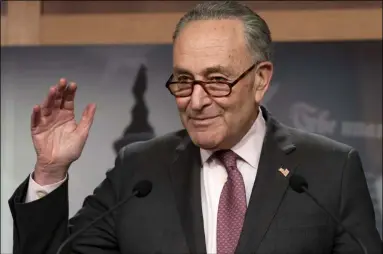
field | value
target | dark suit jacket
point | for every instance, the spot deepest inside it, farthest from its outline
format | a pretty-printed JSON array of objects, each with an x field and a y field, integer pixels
[{"x": 169, "y": 219}]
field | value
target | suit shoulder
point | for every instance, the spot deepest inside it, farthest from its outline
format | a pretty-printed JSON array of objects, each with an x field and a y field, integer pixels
[
  {"x": 310, "y": 140},
  {"x": 164, "y": 143},
  {"x": 142, "y": 155}
]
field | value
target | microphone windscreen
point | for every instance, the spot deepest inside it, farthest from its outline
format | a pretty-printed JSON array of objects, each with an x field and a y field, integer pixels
[
  {"x": 143, "y": 188},
  {"x": 297, "y": 183}
]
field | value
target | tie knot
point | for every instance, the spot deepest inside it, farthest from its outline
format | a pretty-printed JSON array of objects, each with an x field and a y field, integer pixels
[{"x": 228, "y": 158}]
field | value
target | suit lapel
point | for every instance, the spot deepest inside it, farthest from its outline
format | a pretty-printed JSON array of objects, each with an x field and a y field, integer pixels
[
  {"x": 185, "y": 178},
  {"x": 270, "y": 185}
]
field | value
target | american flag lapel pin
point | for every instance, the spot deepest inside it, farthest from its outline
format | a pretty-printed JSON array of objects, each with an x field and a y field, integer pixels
[{"x": 284, "y": 172}]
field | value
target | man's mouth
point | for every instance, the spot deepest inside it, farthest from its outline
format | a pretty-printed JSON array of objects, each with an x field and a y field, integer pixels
[
  {"x": 202, "y": 118},
  {"x": 202, "y": 121}
]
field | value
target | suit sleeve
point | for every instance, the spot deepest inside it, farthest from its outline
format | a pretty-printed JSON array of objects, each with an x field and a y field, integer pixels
[
  {"x": 41, "y": 226},
  {"x": 356, "y": 210},
  {"x": 34, "y": 189}
]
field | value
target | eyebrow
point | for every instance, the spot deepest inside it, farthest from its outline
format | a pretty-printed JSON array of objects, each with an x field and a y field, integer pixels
[{"x": 212, "y": 69}]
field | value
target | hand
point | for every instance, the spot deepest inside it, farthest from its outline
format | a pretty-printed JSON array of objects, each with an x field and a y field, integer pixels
[{"x": 57, "y": 138}]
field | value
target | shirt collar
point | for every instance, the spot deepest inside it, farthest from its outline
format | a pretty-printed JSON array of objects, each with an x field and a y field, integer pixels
[{"x": 249, "y": 147}]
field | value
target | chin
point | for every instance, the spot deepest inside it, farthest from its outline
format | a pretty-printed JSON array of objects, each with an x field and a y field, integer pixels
[{"x": 207, "y": 139}]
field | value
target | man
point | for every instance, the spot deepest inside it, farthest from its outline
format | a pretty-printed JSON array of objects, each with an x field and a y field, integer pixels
[{"x": 221, "y": 185}]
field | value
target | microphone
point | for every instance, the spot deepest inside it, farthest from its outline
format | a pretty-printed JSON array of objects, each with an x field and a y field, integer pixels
[
  {"x": 299, "y": 184},
  {"x": 140, "y": 190}
]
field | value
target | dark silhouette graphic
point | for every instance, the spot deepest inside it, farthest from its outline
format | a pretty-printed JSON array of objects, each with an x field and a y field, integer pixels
[{"x": 139, "y": 129}]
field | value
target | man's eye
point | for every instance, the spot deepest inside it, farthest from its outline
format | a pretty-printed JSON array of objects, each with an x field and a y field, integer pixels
[
  {"x": 218, "y": 79},
  {"x": 183, "y": 79}
]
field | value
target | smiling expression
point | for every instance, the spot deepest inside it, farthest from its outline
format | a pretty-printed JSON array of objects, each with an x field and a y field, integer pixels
[{"x": 216, "y": 50}]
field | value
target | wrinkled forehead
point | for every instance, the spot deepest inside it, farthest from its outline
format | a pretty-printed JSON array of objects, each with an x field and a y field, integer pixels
[{"x": 206, "y": 43}]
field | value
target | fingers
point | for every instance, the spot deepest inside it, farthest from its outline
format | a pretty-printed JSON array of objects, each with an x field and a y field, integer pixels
[
  {"x": 60, "y": 96},
  {"x": 86, "y": 119},
  {"x": 36, "y": 116},
  {"x": 61, "y": 87},
  {"x": 54, "y": 98},
  {"x": 49, "y": 102},
  {"x": 67, "y": 101}
]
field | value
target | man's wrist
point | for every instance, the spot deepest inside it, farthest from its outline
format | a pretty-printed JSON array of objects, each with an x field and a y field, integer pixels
[
  {"x": 46, "y": 178},
  {"x": 37, "y": 191}
]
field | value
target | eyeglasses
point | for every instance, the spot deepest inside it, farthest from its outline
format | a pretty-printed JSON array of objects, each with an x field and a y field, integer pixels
[{"x": 216, "y": 88}]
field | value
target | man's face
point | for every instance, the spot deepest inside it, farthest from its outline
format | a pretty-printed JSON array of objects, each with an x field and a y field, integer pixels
[{"x": 212, "y": 50}]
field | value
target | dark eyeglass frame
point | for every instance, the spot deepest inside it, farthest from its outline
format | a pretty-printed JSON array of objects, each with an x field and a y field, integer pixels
[{"x": 204, "y": 83}]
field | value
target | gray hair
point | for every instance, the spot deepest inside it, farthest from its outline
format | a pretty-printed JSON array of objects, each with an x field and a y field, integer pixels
[{"x": 257, "y": 33}]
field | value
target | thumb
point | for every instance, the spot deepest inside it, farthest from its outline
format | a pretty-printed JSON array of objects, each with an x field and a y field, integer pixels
[{"x": 87, "y": 119}]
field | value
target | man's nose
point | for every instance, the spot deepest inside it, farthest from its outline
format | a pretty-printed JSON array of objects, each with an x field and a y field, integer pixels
[{"x": 199, "y": 98}]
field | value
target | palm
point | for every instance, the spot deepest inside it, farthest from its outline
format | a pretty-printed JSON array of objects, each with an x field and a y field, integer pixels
[{"x": 57, "y": 138}]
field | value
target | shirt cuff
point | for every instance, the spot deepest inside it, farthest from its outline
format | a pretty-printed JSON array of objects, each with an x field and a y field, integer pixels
[{"x": 36, "y": 191}]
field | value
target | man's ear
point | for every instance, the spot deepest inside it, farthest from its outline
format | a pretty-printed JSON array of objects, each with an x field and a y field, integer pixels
[{"x": 263, "y": 77}]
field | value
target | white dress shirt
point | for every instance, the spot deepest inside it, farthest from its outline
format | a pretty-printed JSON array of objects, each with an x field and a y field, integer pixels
[
  {"x": 36, "y": 191},
  {"x": 214, "y": 176}
]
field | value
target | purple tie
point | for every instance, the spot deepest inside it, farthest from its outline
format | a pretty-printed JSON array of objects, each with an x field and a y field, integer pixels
[{"x": 232, "y": 205}]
